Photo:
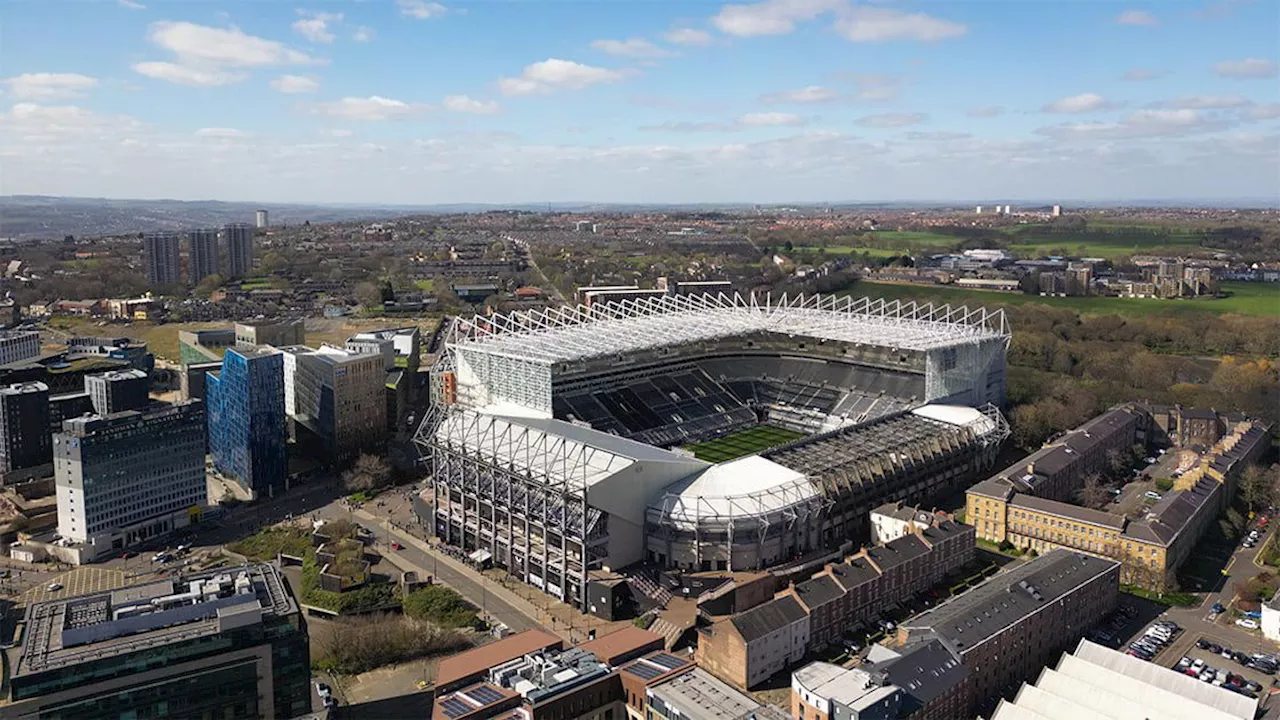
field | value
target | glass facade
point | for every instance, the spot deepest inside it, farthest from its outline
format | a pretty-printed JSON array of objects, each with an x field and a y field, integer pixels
[
  {"x": 247, "y": 430},
  {"x": 222, "y": 688}
]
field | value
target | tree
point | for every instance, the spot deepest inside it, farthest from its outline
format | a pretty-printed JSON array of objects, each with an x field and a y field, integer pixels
[
  {"x": 1093, "y": 494},
  {"x": 1258, "y": 486},
  {"x": 207, "y": 285},
  {"x": 1117, "y": 462},
  {"x": 367, "y": 473},
  {"x": 368, "y": 294}
]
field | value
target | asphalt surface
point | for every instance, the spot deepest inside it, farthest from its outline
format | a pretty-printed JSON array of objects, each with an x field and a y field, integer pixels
[{"x": 411, "y": 556}]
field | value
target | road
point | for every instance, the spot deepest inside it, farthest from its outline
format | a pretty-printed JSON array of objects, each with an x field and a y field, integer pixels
[{"x": 425, "y": 563}]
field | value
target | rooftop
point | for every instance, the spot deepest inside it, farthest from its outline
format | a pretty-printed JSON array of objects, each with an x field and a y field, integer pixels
[
  {"x": 698, "y": 695},
  {"x": 68, "y": 631},
  {"x": 1009, "y": 597},
  {"x": 1075, "y": 512},
  {"x": 621, "y": 645},
  {"x": 1096, "y": 682},
  {"x": 479, "y": 660},
  {"x": 767, "y": 618},
  {"x": 565, "y": 334},
  {"x": 126, "y": 374}
]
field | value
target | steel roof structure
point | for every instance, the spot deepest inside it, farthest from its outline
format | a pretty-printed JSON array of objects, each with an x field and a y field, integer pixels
[{"x": 577, "y": 333}]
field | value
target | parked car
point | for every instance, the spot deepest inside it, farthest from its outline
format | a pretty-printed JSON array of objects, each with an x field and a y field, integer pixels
[
  {"x": 54, "y": 587},
  {"x": 1213, "y": 648},
  {"x": 1217, "y": 608},
  {"x": 1248, "y": 623},
  {"x": 1183, "y": 664},
  {"x": 1202, "y": 644},
  {"x": 1253, "y": 685},
  {"x": 1197, "y": 665},
  {"x": 1240, "y": 658},
  {"x": 396, "y": 546},
  {"x": 1152, "y": 495}
]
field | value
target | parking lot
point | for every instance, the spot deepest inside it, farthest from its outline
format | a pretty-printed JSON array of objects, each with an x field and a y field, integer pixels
[{"x": 1262, "y": 681}]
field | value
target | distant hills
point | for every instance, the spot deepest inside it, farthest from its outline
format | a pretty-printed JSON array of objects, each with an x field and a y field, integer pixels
[{"x": 27, "y": 217}]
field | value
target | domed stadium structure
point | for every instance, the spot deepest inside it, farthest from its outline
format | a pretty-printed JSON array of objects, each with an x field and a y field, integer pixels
[{"x": 702, "y": 432}]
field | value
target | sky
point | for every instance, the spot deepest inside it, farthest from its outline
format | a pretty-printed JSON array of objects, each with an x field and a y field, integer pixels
[{"x": 645, "y": 101}]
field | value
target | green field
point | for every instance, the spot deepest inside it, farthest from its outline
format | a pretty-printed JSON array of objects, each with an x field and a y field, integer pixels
[
  {"x": 1176, "y": 242},
  {"x": 746, "y": 442},
  {"x": 915, "y": 236},
  {"x": 1258, "y": 299},
  {"x": 849, "y": 250}
]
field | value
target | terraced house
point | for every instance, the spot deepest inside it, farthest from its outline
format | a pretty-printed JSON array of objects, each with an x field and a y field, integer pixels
[
  {"x": 751, "y": 646},
  {"x": 1020, "y": 508}
]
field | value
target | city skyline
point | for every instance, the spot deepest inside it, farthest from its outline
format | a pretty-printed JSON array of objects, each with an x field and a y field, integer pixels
[{"x": 782, "y": 100}]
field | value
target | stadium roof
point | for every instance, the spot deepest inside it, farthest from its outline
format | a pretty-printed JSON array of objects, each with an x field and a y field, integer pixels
[
  {"x": 1102, "y": 684},
  {"x": 576, "y": 333},
  {"x": 747, "y": 486}
]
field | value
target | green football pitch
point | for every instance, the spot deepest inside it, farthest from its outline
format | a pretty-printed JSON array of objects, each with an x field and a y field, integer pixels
[{"x": 747, "y": 442}]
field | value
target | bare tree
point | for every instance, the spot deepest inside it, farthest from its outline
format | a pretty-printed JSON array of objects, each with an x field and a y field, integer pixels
[
  {"x": 1093, "y": 494},
  {"x": 366, "y": 473}
]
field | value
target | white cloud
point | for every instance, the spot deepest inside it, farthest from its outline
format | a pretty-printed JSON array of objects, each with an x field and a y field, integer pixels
[
  {"x": 1139, "y": 75},
  {"x": 1084, "y": 102},
  {"x": 1251, "y": 68},
  {"x": 363, "y": 34},
  {"x": 1270, "y": 111},
  {"x": 222, "y": 133},
  {"x": 465, "y": 104},
  {"x": 1140, "y": 124},
  {"x": 207, "y": 56},
  {"x": 891, "y": 120},
  {"x": 48, "y": 86},
  {"x": 555, "y": 74},
  {"x": 938, "y": 136},
  {"x": 875, "y": 88},
  {"x": 370, "y": 108},
  {"x": 689, "y": 127},
  {"x": 185, "y": 75},
  {"x": 421, "y": 9},
  {"x": 199, "y": 44},
  {"x": 986, "y": 112},
  {"x": 631, "y": 47},
  {"x": 810, "y": 94},
  {"x": 770, "y": 17},
  {"x": 294, "y": 84},
  {"x": 771, "y": 119},
  {"x": 314, "y": 26},
  {"x": 864, "y": 23},
  {"x": 335, "y": 133},
  {"x": 131, "y": 4},
  {"x": 1136, "y": 17},
  {"x": 687, "y": 36},
  {"x": 1205, "y": 102},
  {"x": 67, "y": 122}
]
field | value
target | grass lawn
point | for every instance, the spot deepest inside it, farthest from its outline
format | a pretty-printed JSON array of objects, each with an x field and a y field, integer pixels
[
  {"x": 425, "y": 285},
  {"x": 915, "y": 236},
  {"x": 1174, "y": 243},
  {"x": 849, "y": 250},
  {"x": 1259, "y": 299},
  {"x": 744, "y": 443}
]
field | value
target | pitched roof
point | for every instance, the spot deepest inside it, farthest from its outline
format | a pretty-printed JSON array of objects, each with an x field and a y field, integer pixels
[
  {"x": 818, "y": 590},
  {"x": 924, "y": 672},
  {"x": 1075, "y": 512},
  {"x": 767, "y": 618},
  {"x": 623, "y": 645},
  {"x": 477, "y": 660},
  {"x": 897, "y": 552}
]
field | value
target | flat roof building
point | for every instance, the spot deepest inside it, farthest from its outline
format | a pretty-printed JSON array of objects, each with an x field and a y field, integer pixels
[
  {"x": 228, "y": 642},
  {"x": 118, "y": 390},
  {"x": 24, "y": 428},
  {"x": 699, "y": 695},
  {"x": 162, "y": 258},
  {"x": 247, "y": 426},
  {"x": 338, "y": 396},
  {"x": 18, "y": 345},
  {"x": 127, "y": 477}
]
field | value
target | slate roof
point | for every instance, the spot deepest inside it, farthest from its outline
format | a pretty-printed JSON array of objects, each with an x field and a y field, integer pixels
[
  {"x": 854, "y": 573},
  {"x": 768, "y": 618},
  {"x": 925, "y": 672},
  {"x": 1075, "y": 512},
  {"x": 897, "y": 552},
  {"x": 819, "y": 590}
]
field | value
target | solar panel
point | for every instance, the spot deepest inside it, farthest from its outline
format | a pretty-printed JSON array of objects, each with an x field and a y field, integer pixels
[
  {"x": 484, "y": 695},
  {"x": 670, "y": 662},
  {"x": 453, "y": 707},
  {"x": 644, "y": 670}
]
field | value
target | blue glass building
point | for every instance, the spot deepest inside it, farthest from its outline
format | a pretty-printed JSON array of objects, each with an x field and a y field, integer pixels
[{"x": 247, "y": 430}]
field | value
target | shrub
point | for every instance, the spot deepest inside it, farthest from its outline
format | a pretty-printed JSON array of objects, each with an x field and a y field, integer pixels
[
  {"x": 643, "y": 622},
  {"x": 440, "y": 605},
  {"x": 356, "y": 645},
  {"x": 267, "y": 542},
  {"x": 1164, "y": 484}
]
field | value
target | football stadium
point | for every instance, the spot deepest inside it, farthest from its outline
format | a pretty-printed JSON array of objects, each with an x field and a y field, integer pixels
[{"x": 701, "y": 433}]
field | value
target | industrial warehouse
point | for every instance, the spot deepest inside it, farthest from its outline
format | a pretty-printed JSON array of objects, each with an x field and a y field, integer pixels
[{"x": 702, "y": 433}]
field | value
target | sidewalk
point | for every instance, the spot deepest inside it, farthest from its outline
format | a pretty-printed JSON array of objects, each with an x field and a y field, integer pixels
[{"x": 543, "y": 609}]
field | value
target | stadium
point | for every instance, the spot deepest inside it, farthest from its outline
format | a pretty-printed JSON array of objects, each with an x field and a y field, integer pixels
[{"x": 701, "y": 432}]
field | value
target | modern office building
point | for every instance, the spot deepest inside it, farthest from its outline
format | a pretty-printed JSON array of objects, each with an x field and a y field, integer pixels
[
  {"x": 162, "y": 257},
  {"x": 400, "y": 349},
  {"x": 118, "y": 390},
  {"x": 276, "y": 333},
  {"x": 1098, "y": 682},
  {"x": 127, "y": 477},
  {"x": 247, "y": 425},
  {"x": 203, "y": 259},
  {"x": 18, "y": 345},
  {"x": 131, "y": 351},
  {"x": 65, "y": 406},
  {"x": 202, "y": 346},
  {"x": 222, "y": 643},
  {"x": 698, "y": 695},
  {"x": 239, "y": 238},
  {"x": 338, "y": 396},
  {"x": 24, "y": 429}
]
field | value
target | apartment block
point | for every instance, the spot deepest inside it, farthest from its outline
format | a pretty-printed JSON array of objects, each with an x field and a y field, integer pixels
[
  {"x": 239, "y": 240},
  {"x": 203, "y": 257},
  {"x": 1009, "y": 508},
  {"x": 162, "y": 258},
  {"x": 18, "y": 345},
  {"x": 118, "y": 390},
  {"x": 24, "y": 430}
]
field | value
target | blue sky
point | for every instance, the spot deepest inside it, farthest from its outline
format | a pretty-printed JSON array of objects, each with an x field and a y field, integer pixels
[{"x": 414, "y": 101}]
